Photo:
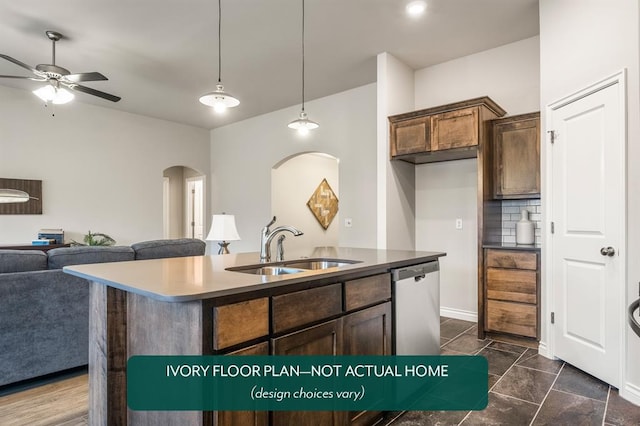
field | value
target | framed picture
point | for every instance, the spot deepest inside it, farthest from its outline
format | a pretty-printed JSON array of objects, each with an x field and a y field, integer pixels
[
  {"x": 33, "y": 191},
  {"x": 323, "y": 204}
]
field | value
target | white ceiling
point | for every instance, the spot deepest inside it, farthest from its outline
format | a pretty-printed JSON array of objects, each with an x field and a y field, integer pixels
[{"x": 161, "y": 55}]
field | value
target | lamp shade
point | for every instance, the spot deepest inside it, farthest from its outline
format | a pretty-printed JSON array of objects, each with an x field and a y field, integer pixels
[{"x": 223, "y": 228}]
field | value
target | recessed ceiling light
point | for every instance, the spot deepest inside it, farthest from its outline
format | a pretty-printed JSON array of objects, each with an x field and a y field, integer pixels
[{"x": 416, "y": 8}]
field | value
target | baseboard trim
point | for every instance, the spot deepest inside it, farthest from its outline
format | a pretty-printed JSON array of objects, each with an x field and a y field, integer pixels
[
  {"x": 543, "y": 350},
  {"x": 458, "y": 314},
  {"x": 631, "y": 393}
]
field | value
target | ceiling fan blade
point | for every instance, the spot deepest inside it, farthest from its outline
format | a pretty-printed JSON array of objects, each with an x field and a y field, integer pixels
[
  {"x": 94, "y": 92},
  {"x": 85, "y": 76},
  {"x": 23, "y": 77},
  {"x": 18, "y": 63}
]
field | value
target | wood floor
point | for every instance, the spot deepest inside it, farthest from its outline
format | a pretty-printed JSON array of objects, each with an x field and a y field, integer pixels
[{"x": 61, "y": 403}]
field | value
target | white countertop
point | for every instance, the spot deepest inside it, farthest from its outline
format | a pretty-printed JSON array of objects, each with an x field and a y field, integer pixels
[{"x": 182, "y": 279}]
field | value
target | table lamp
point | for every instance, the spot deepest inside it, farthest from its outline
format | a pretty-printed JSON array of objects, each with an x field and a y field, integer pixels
[{"x": 223, "y": 229}]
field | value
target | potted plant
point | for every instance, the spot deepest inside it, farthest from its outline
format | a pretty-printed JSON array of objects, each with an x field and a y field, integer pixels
[{"x": 95, "y": 239}]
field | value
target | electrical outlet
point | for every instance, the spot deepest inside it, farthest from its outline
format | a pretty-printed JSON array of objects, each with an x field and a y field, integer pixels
[
  {"x": 348, "y": 222},
  {"x": 458, "y": 223}
]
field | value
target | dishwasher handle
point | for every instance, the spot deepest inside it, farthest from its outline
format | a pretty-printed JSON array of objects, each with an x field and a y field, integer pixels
[{"x": 415, "y": 271}]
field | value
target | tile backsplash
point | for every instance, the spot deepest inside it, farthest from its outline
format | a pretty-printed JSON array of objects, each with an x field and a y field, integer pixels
[{"x": 511, "y": 215}]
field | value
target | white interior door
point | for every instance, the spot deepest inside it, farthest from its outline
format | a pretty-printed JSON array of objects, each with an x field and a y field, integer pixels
[
  {"x": 194, "y": 207},
  {"x": 588, "y": 214}
]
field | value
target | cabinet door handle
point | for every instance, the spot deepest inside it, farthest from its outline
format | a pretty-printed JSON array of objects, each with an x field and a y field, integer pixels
[{"x": 607, "y": 251}]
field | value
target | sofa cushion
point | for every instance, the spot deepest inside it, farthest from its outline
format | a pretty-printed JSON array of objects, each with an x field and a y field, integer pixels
[
  {"x": 22, "y": 261},
  {"x": 158, "y": 249},
  {"x": 66, "y": 256}
]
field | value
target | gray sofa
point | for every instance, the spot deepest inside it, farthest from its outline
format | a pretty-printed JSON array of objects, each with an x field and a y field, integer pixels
[{"x": 44, "y": 313}]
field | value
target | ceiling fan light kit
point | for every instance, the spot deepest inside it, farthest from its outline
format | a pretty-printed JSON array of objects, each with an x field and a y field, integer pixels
[
  {"x": 219, "y": 99},
  {"x": 53, "y": 94},
  {"x": 302, "y": 124},
  {"x": 58, "y": 76}
]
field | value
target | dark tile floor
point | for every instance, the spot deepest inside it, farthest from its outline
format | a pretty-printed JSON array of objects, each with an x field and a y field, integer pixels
[{"x": 526, "y": 388}]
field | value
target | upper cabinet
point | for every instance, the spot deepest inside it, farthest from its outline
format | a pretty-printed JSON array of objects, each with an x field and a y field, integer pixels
[
  {"x": 447, "y": 132},
  {"x": 516, "y": 153}
]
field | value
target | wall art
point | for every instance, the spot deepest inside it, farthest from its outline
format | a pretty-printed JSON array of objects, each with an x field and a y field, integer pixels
[
  {"x": 30, "y": 204},
  {"x": 323, "y": 204}
]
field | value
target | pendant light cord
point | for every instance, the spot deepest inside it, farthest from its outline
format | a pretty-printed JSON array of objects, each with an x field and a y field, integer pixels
[
  {"x": 303, "y": 55},
  {"x": 219, "y": 41}
]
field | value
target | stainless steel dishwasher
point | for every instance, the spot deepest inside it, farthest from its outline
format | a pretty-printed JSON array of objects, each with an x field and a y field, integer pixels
[{"x": 417, "y": 309}]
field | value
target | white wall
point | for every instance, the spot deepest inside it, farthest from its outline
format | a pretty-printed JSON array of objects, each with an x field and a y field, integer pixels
[
  {"x": 101, "y": 169},
  {"x": 396, "y": 180},
  {"x": 582, "y": 42},
  {"x": 292, "y": 184},
  {"x": 243, "y": 153},
  {"x": 445, "y": 191},
  {"x": 509, "y": 74},
  {"x": 176, "y": 200}
]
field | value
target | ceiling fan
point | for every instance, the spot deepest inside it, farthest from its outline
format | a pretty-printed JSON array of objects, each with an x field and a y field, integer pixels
[{"x": 59, "y": 78}]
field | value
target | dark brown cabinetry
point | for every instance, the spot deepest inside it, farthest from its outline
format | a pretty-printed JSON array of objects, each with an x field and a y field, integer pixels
[
  {"x": 411, "y": 136},
  {"x": 516, "y": 150},
  {"x": 447, "y": 132},
  {"x": 313, "y": 321},
  {"x": 359, "y": 332},
  {"x": 367, "y": 332},
  {"x": 245, "y": 418},
  {"x": 455, "y": 129},
  {"x": 512, "y": 292},
  {"x": 323, "y": 339}
]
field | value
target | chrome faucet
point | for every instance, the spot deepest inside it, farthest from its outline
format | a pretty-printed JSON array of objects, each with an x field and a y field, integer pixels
[
  {"x": 266, "y": 235},
  {"x": 280, "y": 248}
]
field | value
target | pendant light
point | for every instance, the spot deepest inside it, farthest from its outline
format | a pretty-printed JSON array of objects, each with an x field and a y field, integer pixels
[
  {"x": 302, "y": 124},
  {"x": 219, "y": 99}
]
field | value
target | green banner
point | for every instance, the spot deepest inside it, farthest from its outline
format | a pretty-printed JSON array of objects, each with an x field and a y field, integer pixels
[{"x": 337, "y": 383}]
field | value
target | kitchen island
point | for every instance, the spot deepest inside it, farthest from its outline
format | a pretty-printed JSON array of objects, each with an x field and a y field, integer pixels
[{"x": 197, "y": 306}]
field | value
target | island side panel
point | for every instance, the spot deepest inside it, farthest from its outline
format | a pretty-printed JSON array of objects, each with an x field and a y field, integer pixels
[
  {"x": 107, "y": 355},
  {"x": 165, "y": 328}
]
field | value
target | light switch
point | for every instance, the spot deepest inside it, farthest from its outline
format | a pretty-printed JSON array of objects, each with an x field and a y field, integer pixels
[{"x": 458, "y": 223}]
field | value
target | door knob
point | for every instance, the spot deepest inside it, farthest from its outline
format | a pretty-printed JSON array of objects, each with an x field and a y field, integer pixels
[{"x": 607, "y": 251}]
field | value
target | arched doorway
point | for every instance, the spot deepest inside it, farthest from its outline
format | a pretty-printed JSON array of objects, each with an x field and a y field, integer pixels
[
  {"x": 183, "y": 203},
  {"x": 293, "y": 181}
]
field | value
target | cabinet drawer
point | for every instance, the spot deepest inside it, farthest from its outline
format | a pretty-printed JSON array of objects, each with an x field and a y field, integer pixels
[
  {"x": 410, "y": 136},
  {"x": 515, "y": 318},
  {"x": 514, "y": 285},
  {"x": 455, "y": 129},
  {"x": 367, "y": 291},
  {"x": 240, "y": 322},
  {"x": 512, "y": 259},
  {"x": 306, "y": 306}
]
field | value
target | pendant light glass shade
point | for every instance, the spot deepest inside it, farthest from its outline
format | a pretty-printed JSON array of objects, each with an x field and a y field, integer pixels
[
  {"x": 56, "y": 95},
  {"x": 13, "y": 196},
  {"x": 302, "y": 124},
  {"x": 219, "y": 99}
]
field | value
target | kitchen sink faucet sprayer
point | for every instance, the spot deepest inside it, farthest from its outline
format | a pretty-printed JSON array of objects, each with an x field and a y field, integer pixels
[{"x": 266, "y": 235}]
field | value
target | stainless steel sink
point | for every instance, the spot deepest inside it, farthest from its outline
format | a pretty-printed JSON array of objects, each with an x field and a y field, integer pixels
[
  {"x": 318, "y": 264},
  {"x": 267, "y": 270},
  {"x": 292, "y": 266}
]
